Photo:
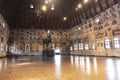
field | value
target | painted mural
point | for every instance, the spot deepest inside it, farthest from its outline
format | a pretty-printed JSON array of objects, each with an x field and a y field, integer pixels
[
  {"x": 99, "y": 36},
  {"x": 4, "y": 35},
  {"x": 30, "y": 40},
  {"x": 102, "y": 30}
]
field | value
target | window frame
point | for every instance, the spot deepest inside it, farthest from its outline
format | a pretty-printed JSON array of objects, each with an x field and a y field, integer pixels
[
  {"x": 116, "y": 42},
  {"x": 107, "y": 44},
  {"x": 81, "y": 46},
  {"x": 86, "y": 46}
]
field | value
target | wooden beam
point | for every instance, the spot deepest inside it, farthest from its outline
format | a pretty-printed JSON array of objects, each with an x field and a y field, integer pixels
[
  {"x": 115, "y": 1},
  {"x": 94, "y": 6},
  {"x": 100, "y": 5},
  {"x": 106, "y": 1}
]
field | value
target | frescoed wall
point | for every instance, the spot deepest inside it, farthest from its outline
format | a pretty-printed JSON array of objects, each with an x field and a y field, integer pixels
[
  {"x": 4, "y": 35},
  {"x": 99, "y": 35},
  {"x": 31, "y": 40}
]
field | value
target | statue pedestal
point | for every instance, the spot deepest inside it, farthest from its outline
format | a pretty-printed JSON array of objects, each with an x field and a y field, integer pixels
[{"x": 48, "y": 53}]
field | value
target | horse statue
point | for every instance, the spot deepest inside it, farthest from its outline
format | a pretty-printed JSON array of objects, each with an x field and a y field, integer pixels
[
  {"x": 47, "y": 51},
  {"x": 47, "y": 40}
]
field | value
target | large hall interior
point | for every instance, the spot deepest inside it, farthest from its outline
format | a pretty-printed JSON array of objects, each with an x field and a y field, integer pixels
[{"x": 59, "y": 39}]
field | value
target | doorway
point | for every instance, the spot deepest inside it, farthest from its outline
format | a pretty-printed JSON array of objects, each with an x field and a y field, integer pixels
[
  {"x": 57, "y": 50},
  {"x": 27, "y": 48}
]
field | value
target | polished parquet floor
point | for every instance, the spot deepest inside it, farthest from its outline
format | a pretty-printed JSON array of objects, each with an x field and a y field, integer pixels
[{"x": 60, "y": 68}]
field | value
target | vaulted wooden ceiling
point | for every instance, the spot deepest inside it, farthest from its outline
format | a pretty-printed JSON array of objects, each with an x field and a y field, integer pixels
[{"x": 18, "y": 13}]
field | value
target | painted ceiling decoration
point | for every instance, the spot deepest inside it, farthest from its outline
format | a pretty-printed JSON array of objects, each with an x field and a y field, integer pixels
[{"x": 51, "y": 14}]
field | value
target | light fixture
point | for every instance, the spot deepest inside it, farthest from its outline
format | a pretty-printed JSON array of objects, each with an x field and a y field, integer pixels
[
  {"x": 64, "y": 18},
  {"x": 44, "y": 7},
  {"x": 3, "y": 25},
  {"x": 48, "y": 31},
  {"x": 53, "y": 7},
  {"x": 76, "y": 9},
  {"x": 46, "y": 1},
  {"x": 79, "y": 28},
  {"x": 97, "y": 20},
  {"x": 31, "y": 6},
  {"x": 79, "y": 5},
  {"x": 85, "y": 1}
]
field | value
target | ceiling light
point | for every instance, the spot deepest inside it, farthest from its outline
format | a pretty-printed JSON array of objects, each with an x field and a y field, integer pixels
[
  {"x": 79, "y": 5},
  {"x": 79, "y": 28},
  {"x": 46, "y": 1},
  {"x": 85, "y": 1},
  {"x": 48, "y": 31},
  {"x": 31, "y": 6},
  {"x": 44, "y": 7},
  {"x": 97, "y": 20},
  {"x": 52, "y": 8},
  {"x": 76, "y": 9},
  {"x": 65, "y": 18}
]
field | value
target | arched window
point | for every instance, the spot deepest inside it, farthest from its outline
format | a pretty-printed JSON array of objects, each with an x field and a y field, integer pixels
[
  {"x": 116, "y": 43},
  {"x": 107, "y": 43}
]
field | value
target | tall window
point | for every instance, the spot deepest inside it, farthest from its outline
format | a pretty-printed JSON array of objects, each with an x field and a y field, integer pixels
[
  {"x": 81, "y": 46},
  {"x": 57, "y": 50},
  {"x": 71, "y": 48},
  {"x": 1, "y": 47},
  {"x": 107, "y": 43},
  {"x": 75, "y": 47},
  {"x": 117, "y": 43},
  {"x": 93, "y": 46},
  {"x": 86, "y": 47}
]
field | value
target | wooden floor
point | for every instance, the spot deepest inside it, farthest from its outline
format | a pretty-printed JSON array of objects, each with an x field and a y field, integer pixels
[{"x": 60, "y": 68}]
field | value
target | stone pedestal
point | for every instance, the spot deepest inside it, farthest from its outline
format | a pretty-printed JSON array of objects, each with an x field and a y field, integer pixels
[{"x": 48, "y": 53}]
